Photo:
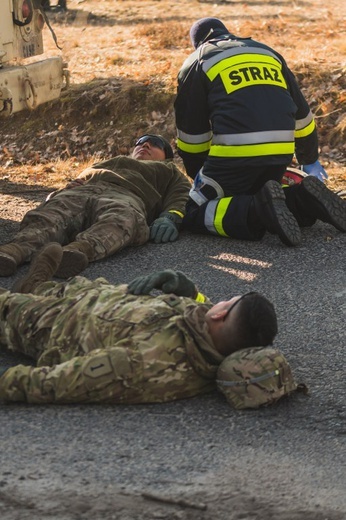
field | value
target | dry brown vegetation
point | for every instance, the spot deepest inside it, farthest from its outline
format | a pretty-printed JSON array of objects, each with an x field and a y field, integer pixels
[{"x": 124, "y": 57}]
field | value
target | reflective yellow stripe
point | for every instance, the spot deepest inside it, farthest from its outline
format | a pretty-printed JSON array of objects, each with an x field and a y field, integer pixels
[
  {"x": 252, "y": 150},
  {"x": 307, "y": 130},
  {"x": 200, "y": 298},
  {"x": 221, "y": 210},
  {"x": 176, "y": 212},
  {"x": 240, "y": 59},
  {"x": 193, "y": 148}
]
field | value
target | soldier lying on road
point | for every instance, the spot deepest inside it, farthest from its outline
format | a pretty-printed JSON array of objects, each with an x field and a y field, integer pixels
[
  {"x": 96, "y": 342},
  {"x": 113, "y": 204}
]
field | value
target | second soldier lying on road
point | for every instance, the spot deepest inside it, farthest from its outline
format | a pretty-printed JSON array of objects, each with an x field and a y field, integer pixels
[
  {"x": 96, "y": 342},
  {"x": 120, "y": 202}
]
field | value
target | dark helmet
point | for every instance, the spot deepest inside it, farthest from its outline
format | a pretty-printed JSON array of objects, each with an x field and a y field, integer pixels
[
  {"x": 157, "y": 140},
  {"x": 204, "y": 28}
]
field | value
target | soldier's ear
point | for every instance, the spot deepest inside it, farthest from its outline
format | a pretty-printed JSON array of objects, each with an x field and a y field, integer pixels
[{"x": 219, "y": 315}]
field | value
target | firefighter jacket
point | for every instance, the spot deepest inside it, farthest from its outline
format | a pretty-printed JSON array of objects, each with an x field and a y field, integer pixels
[
  {"x": 239, "y": 105},
  {"x": 93, "y": 342}
]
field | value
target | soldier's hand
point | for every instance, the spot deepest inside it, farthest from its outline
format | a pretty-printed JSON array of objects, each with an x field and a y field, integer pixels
[
  {"x": 165, "y": 228},
  {"x": 168, "y": 281}
]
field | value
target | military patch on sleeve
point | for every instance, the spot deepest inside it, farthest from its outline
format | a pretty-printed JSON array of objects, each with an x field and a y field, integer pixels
[{"x": 98, "y": 366}]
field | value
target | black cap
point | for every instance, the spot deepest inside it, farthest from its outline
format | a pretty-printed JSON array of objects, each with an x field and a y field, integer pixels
[
  {"x": 205, "y": 28},
  {"x": 166, "y": 147}
]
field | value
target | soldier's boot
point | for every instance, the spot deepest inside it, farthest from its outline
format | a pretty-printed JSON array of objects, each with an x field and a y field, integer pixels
[
  {"x": 76, "y": 256},
  {"x": 11, "y": 256},
  {"x": 270, "y": 206},
  {"x": 314, "y": 199},
  {"x": 43, "y": 267}
]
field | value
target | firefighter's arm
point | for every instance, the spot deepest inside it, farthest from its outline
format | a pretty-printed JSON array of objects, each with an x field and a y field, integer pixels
[
  {"x": 306, "y": 139},
  {"x": 192, "y": 119}
]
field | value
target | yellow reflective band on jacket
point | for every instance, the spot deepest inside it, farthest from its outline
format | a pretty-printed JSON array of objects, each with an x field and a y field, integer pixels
[
  {"x": 247, "y": 70},
  {"x": 307, "y": 130},
  {"x": 193, "y": 148},
  {"x": 252, "y": 150},
  {"x": 200, "y": 298}
]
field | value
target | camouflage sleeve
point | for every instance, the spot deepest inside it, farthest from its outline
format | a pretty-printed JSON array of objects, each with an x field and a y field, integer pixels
[{"x": 101, "y": 376}]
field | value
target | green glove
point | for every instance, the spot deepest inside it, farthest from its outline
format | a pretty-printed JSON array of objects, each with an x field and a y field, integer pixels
[
  {"x": 165, "y": 228},
  {"x": 167, "y": 281}
]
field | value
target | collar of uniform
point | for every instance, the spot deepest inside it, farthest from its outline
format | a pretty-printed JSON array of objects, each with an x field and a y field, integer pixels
[{"x": 199, "y": 346}]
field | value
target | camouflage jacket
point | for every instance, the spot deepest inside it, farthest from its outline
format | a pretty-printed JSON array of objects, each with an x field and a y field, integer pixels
[
  {"x": 159, "y": 184},
  {"x": 95, "y": 343}
]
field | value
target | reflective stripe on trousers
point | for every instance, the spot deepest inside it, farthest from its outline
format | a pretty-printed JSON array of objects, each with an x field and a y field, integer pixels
[{"x": 214, "y": 215}]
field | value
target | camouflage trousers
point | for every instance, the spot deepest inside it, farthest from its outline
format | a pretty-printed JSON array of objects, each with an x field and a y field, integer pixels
[{"x": 106, "y": 216}]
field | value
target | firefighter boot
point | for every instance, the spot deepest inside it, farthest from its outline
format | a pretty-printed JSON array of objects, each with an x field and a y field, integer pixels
[
  {"x": 271, "y": 208},
  {"x": 314, "y": 199},
  {"x": 75, "y": 259},
  {"x": 42, "y": 268},
  {"x": 11, "y": 256}
]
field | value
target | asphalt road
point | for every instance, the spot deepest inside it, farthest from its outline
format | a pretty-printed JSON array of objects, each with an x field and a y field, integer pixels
[{"x": 291, "y": 453}]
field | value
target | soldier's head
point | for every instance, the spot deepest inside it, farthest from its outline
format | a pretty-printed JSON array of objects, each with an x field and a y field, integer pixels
[
  {"x": 241, "y": 322},
  {"x": 152, "y": 147},
  {"x": 205, "y": 29}
]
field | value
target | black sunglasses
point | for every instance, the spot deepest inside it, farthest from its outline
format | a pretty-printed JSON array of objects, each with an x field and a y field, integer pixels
[
  {"x": 236, "y": 302},
  {"x": 153, "y": 139}
]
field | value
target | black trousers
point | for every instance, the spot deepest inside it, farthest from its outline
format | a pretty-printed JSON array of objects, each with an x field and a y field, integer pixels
[{"x": 234, "y": 216}]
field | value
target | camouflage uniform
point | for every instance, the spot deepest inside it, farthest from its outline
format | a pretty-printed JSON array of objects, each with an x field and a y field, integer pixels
[
  {"x": 111, "y": 210},
  {"x": 256, "y": 376},
  {"x": 93, "y": 342}
]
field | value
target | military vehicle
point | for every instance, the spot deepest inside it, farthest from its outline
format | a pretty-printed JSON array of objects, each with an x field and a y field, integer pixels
[{"x": 25, "y": 83}]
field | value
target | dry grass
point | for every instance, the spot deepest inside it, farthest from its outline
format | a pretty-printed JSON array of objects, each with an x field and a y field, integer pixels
[{"x": 124, "y": 57}]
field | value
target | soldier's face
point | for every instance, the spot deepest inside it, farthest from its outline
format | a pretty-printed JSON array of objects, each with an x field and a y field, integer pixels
[
  {"x": 147, "y": 151},
  {"x": 224, "y": 308}
]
